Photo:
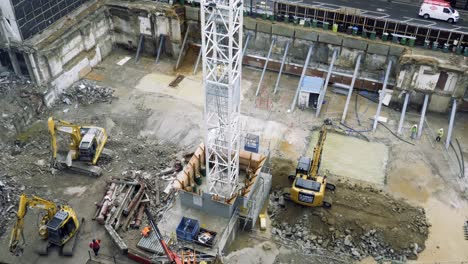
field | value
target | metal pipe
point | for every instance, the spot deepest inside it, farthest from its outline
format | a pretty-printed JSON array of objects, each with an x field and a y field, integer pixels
[
  {"x": 324, "y": 91},
  {"x": 246, "y": 44},
  {"x": 304, "y": 70},
  {"x": 450, "y": 128},
  {"x": 350, "y": 91},
  {"x": 286, "y": 48},
  {"x": 382, "y": 95},
  {"x": 140, "y": 47},
  {"x": 266, "y": 65},
  {"x": 403, "y": 113},
  {"x": 423, "y": 115},
  {"x": 161, "y": 44},
  {"x": 183, "y": 46},
  {"x": 195, "y": 68}
]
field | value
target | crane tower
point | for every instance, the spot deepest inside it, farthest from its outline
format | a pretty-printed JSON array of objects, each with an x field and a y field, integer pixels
[{"x": 221, "y": 27}]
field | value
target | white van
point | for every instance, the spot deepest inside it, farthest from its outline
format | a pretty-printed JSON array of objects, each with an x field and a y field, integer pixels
[{"x": 439, "y": 9}]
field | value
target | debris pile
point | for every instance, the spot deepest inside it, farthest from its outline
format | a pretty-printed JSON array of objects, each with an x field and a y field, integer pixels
[
  {"x": 87, "y": 92},
  {"x": 9, "y": 192},
  {"x": 357, "y": 239}
]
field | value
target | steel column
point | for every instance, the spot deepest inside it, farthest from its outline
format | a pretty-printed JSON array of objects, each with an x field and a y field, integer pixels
[
  {"x": 423, "y": 115},
  {"x": 161, "y": 44},
  {"x": 183, "y": 46},
  {"x": 304, "y": 70},
  {"x": 450, "y": 128},
  {"x": 140, "y": 47},
  {"x": 403, "y": 113},
  {"x": 246, "y": 44},
  {"x": 350, "y": 88},
  {"x": 324, "y": 91},
  {"x": 266, "y": 65},
  {"x": 382, "y": 95},
  {"x": 286, "y": 48}
]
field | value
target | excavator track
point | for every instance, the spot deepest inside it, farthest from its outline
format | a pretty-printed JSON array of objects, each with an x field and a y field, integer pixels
[
  {"x": 69, "y": 247},
  {"x": 85, "y": 168}
]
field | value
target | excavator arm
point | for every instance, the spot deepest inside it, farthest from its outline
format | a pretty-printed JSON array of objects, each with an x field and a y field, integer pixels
[
  {"x": 24, "y": 203},
  {"x": 74, "y": 131},
  {"x": 318, "y": 152}
]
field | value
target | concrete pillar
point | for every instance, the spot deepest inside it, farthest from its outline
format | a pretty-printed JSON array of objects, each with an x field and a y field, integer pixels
[
  {"x": 450, "y": 128},
  {"x": 423, "y": 115},
  {"x": 34, "y": 68},
  {"x": 382, "y": 95},
  {"x": 14, "y": 62},
  {"x": 403, "y": 113}
]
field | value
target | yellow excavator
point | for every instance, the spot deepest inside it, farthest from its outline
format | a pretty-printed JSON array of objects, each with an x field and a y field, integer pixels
[
  {"x": 59, "y": 226},
  {"x": 308, "y": 188},
  {"x": 85, "y": 149}
]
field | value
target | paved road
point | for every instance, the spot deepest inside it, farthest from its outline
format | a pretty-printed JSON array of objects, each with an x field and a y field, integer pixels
[{"x": 395, "y": 10}]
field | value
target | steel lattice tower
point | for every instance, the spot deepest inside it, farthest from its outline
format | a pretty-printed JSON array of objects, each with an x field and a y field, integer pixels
[{"x": 221, "y": 26}]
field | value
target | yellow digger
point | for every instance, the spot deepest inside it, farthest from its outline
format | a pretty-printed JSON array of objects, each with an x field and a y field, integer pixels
[
  {"x": 308, "y": 188},
  {"x": 85, "y": 149},
  {"x": 59, "y": 226}
]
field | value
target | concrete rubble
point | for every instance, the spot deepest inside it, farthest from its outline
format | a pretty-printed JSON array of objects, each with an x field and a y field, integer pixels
[
  {"x": 9, "y": 191},
  {"x": 87, "y": 92}
]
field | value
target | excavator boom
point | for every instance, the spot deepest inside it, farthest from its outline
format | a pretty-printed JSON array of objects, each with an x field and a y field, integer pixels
[{"x": 318, "y": 152}]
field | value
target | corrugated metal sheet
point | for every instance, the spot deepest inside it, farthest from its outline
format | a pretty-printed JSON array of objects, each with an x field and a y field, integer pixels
[
  {"x": 151, "y": 244},
  {"x": 312, "y": 84}
]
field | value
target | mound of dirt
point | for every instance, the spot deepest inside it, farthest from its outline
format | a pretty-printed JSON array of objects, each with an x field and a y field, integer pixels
[{"x": 363, "y": 221}]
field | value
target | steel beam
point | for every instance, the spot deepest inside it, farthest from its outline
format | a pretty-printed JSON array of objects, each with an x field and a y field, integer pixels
[
  {"x": 273, "y": 40},
  {"x": 162, "y": 38},
  {"x": 183, "y": 46},
  {"x": 195, "y": 68},
  {"x": 423, "y": 115},
  {"x": 382, "y": 95},
  {"x": 304, "y": 70},
  {"x": 403, "y": 113},
  {"x": 140, "y": 47},
  {"x": 350, "y": 91},
  {"x": 324, "y": 91},
  {"x": 286, "y": 48},
  {"x": 450, "y": 128}
]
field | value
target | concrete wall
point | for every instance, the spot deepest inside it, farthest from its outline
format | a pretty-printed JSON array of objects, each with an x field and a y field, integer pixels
[
  {"x": 73, "y": 55},
  {"x": 205, "y": 203}
]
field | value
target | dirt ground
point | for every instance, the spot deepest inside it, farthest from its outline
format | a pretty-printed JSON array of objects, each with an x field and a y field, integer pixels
[{"x": 151, "y": 124}]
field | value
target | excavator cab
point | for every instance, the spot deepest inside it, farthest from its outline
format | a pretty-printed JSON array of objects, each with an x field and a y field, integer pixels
[
  {"x": 61, "y": 228},
  {"x": 87, "y": 147}
]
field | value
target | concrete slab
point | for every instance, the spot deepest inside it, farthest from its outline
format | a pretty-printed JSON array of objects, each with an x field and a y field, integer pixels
[
  {"x": 302, "y": 33},
  {"x": 330, "y": 39},
  {"x": 396, "y": 50},
  {"x": 283, "y": 30},
  {"x": 264, "y": 27},
  {"x": 379, "y": 49},
  {"x": 250, "y": 23},
  {"x": 373, "y": 157},
  {"x": 354, "y": 43}
]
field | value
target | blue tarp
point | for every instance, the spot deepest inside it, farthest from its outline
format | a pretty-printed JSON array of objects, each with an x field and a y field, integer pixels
[{"x": 312, "y": 84}]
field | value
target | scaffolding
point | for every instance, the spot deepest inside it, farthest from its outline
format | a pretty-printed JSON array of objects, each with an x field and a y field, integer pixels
[{"x": 221, "y": 23}]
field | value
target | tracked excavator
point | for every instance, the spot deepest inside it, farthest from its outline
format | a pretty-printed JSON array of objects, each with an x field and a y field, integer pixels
[
  {"x": 59, "y": 226},
  {"x": 308, "y": 187},
  {"x": 85, "y": 150}
]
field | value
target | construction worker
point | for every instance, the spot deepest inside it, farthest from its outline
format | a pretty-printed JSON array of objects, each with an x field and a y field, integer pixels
[
  {"x": 95, "y": 245},
  {"x": 145, "y": 232},
  {"x": 414, "y": 131},
  {"x": 440, "y": 134}
]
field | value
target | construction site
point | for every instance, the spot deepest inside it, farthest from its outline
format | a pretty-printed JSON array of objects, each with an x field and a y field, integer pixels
[{"x": 221, "y": 131}]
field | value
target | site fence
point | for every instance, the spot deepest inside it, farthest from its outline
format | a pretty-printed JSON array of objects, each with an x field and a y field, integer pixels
[{"x": 370, "y": 24}]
